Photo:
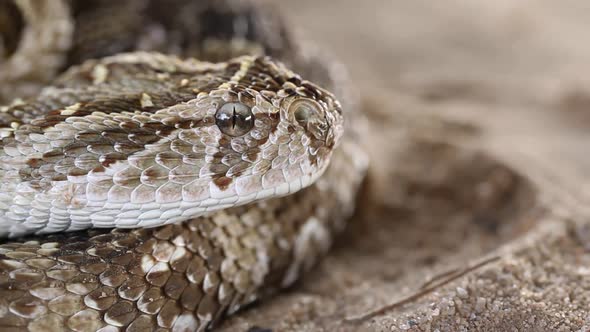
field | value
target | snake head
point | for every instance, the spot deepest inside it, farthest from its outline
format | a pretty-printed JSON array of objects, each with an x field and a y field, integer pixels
[{"x": 272, "y": 133}]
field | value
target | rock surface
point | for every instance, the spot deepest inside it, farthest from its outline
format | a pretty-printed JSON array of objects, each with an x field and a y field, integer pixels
[{"x": 475, "y": 215}]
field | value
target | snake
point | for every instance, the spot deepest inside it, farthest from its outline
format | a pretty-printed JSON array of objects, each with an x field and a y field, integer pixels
[{"x": 165, "y": 164}]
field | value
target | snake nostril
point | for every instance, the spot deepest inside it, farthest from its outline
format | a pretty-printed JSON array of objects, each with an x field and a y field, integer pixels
[
  {"x": 302, "y": 114},
  {"x": 306, "y": 111}
]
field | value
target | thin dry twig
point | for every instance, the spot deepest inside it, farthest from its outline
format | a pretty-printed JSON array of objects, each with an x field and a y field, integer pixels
[
  {"x": 428, "y": 287},
  {"x": 439, "y": 276}
]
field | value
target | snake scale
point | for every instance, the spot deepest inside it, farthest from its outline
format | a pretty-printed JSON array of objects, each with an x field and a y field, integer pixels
[{"x": 145, "y": 190}]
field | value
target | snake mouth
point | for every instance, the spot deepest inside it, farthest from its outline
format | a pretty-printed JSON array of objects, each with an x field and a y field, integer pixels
[{"x": 12, "y": 24}]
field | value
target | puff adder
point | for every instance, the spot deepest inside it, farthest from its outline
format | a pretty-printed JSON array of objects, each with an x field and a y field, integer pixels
[{"x": 188, "y": 159}]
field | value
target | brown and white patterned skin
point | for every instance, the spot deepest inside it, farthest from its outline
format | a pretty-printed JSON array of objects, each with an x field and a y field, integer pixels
[{"x": 139, "y": 128}]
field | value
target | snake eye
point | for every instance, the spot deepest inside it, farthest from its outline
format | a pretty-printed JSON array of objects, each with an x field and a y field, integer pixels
[
  {"x": 306, "y": 111},
  {"x": 234, "y": 119}
]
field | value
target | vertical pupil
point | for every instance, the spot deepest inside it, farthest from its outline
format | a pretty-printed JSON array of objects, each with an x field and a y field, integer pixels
[{"x": 234, "y": 119}]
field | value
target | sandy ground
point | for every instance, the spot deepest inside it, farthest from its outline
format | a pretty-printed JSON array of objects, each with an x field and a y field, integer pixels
[{"x": 475, "y": 216}]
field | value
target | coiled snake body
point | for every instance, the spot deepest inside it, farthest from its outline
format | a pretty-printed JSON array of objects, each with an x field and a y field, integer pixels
[{"x": 225, "y": 179}]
